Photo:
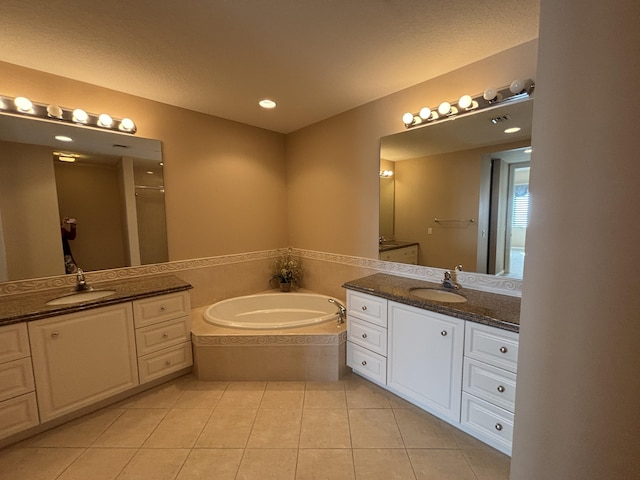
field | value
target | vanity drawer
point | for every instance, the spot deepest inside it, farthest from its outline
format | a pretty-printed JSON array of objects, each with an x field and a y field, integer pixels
[
  {"x": 161, "y": 335},
  {"x": 367, "y": 363},
  {"x": 17, "y": 414},
  {"x": 14, "y": 342},
  {"x": 367, "y": 307},
  {"x": 368, "y": 335},
  {"x": 401, "y": 255},
  {"x": 16, "y": 378},
  {"x": 490, "y": 423},
  {"x": 161, "y": 363},
  {"x": 489, "y": 383},
  {"x": 492, "y": 345},
  {"x": 158, "y": 309}
]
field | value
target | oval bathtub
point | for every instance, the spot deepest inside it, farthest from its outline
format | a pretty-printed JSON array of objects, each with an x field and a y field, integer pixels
[{"x": 271, "y": 311}]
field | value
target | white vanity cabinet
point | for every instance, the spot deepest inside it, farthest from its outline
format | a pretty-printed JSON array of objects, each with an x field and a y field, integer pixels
[
  {"x": 367, "y": 336},
  {"x": 425, "y": 358},
  {"x": 81, "y": 358},
  {"x": 401, "y": 255},
  {"x": 18, "y": 407},
  {"x": 163, "y": 335},
  {"x": 489, "y": 385}
]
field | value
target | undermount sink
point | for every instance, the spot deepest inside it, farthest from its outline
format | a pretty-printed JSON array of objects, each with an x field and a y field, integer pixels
[
  {"x": 80, "y": 297},
  {"x": 436, "y": 295}
]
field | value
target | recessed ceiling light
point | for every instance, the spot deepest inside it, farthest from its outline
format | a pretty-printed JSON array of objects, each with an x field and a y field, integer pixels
[
  {"x": 268, "y": 104},
  {"x": 512, "y": 130},
  {"x": 64, "y": 158},
  {"x": 63, "y": 138}
]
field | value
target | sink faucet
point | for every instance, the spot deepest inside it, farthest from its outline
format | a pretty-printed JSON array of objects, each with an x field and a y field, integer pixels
[
  {"x": 81, "y": 283},
  {"x": 342, "y": 311},
  {"x": 382, "y": 239},
  {"x": 450, "y": 280}
]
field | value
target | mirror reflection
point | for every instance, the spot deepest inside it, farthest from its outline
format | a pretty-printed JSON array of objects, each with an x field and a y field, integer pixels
[
  {"x": 94, "y": 203},
  {"x": 456, "y": 192}
]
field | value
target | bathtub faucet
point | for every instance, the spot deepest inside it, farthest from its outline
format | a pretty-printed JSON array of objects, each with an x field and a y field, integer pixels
[{"x": 342, "y": 312}]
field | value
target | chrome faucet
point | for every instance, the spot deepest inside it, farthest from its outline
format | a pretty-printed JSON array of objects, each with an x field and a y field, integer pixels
[
  {"x": 382, "y": 239},
  {"x": 81, "y": 283},
  {"x": 342, "y": 311},
  {"x": 450, "y": 280}
]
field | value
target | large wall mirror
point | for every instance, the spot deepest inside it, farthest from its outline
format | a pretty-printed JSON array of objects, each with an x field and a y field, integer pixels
[
  {"x": 103, "y": 190},
  {"x": 457, "y": 191}
]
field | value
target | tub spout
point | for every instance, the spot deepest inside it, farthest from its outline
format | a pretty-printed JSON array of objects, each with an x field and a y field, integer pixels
[{"x": 342, "y": 311}]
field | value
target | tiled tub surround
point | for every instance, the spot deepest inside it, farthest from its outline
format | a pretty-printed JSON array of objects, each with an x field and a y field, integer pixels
[
  {"x": 501, "y": 311},
  {"x": 313, "y": 353}
]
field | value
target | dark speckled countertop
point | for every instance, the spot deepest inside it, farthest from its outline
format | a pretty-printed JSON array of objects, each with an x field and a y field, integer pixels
[
  {"x": 24, "y": 307},
  {"x": 492, "y": 309},
  {"x": 393, "y": 245}
]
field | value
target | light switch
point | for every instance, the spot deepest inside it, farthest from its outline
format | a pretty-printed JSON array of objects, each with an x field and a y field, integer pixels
[{"x": 429, "y": 231}]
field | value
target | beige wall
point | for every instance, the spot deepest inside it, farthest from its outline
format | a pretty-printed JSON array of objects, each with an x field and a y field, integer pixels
[
  {"x": 578, "y": 388},
  {"x": 333, "y": 166},
  {"x": 225, "y": 180},
  {"x": 29, "y": 207}
]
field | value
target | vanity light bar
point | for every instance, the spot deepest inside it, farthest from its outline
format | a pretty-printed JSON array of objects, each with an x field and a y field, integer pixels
[
  {"x": 77, "y": 116},
  {"x": 517, "y": 90}
]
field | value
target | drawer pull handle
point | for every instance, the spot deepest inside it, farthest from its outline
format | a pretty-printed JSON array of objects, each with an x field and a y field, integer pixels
[
  {"x": 443, "y": 333},
  {"x": 364, "y": 308},
  {"x": 499, "y": 427},
  {"x": 163, "y": 308},
  {"x": 500, "y": 388},
  {"x": 504, "y": 349},
  {"x": 364, "y": 363},
  {"x": 55, "y": 334},
  {"x": 165, "y": 335},
  {"x": 364, "y": 335},
  {"x": 168, "y": 362}
]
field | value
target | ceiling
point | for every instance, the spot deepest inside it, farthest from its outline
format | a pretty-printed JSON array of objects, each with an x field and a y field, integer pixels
[{"x": 315, "y": 58}]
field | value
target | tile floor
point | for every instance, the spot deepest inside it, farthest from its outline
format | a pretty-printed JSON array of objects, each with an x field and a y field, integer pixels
[{"x": 187, "y": 429}]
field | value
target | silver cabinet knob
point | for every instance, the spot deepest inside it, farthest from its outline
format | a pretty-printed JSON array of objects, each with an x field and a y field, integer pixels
[
  {"x": 168, "y": 362},
  {"x": 364, "y": 363},
  {"x": 504, "y": 349},
  {"x": 55, "y": 334},
  {"x": 364, "y": 335},
  {"x": 499, "y": 427},
  {"x": 165, "y": 335},
  {"x": 163, "y": 308},
  {"x": 364, "y": 307},
  {"x": 443, "y": 333},
  {"x": 500, "y": 388}
]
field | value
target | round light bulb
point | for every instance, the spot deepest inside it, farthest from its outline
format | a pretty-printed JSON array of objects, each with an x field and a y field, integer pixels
[
  {"x": 490, "y": 94},
  {"x": 127, "y": 125},
  {"x": 54, "y": 111},
  {"x": 517, "y": 86},
  {"x": 465, "y": 101},
  {"x": 23, "y": 104},
  {"x": 105, "y": 120},
  {"x": 407, "y": 118},
  {"x": 425, "y": 113},
  {"x": 3, "y": 105},
  {"x": 80, "y": 116},
  {"x": 444, "y": 108}
]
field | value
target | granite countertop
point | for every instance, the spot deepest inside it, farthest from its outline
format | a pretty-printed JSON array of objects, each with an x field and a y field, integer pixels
[
  {"x": 24, "y": 307},
  {"x": 393, "y": 245},
  {"x": 501, "y": 311}
]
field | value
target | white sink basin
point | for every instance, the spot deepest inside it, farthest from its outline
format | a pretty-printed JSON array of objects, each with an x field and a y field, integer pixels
[
  {"x": 436, "y": 295},
  {"x": 80, "y": 297}
]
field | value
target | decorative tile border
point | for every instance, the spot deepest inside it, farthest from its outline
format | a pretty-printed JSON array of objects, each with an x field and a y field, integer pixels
[
  {"x": 268, "y": 339},
  {"x": 488, "y": 283}
]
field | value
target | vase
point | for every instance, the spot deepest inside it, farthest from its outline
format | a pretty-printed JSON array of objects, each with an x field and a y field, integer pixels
[{"x": 285, "y": 286}]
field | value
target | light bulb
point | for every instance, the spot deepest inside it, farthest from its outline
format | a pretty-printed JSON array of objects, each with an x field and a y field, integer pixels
[
  {"x": 54, "y": 111},
  {"x": 105, "y": 120},
  {"x": 407, "y": 118},
  {"x": 517, "y": 86},
  {"x": 490, "y": 94},
  {"x": 425, "y": 113},
  {"x": 465, "y": 101},
  {"x": 3, "y": 105},
  {"x": 127, "y": 125},
  {"x": 23, "y": 104},
  {"x": 444, "y": 108},
  {"x": 80, "y": 116}
]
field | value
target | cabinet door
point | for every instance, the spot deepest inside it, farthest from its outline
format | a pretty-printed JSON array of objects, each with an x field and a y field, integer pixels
[
  {"x": 424, "y": 362},
  {"x": 81, "y": 358}
]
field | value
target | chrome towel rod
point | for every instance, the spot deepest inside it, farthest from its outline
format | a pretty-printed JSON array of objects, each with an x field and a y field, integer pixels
[{"x": 438, "y": 220}]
